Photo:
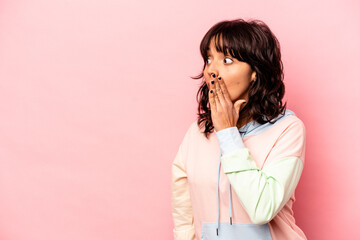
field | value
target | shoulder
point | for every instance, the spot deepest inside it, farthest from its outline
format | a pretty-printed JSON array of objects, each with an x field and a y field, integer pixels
[
  {"x": 194, "y": 128},
  {"x": 286, "y": 121},
  {"x": 293, "y": 123},
  {"x": 193, "y": 135},
  {"x": 190, "y": 130},
  {"x": 292, "y": 138},
  {"x": 289, "y": 130}
]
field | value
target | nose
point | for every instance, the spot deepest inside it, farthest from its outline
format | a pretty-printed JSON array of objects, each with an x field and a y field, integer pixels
[
  {"x": 212, "y": 70},
  {"x": 211, "y": 73}
]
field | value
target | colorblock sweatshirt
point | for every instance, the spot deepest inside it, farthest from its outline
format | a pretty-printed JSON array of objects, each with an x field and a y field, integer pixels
[{"x": 239, "y": 183}]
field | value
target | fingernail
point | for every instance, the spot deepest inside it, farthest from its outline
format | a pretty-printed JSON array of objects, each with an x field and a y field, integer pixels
[
  {"x": 211, "y": 91},
  {"x": 219, "y": 78},
  {"x": 212, "y": 82},
  {"x": 213, "y": 75}
]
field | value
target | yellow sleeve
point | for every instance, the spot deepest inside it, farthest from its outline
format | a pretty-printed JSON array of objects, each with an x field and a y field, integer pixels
[{"x": 181, "y": 204}]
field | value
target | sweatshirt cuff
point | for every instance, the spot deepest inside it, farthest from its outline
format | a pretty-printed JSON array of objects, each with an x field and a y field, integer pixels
[{"x": 229, "y": 140}]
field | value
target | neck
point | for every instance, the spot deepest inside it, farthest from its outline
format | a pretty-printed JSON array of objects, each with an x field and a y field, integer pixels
[
  {"x": 243, "y": 120},
  {"x": 241, "y": 124}
]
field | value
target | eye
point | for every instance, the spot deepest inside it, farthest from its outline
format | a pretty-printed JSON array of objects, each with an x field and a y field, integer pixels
[
  {"x": 229, "y": 59},
  {"x": 207, "y": 60}
]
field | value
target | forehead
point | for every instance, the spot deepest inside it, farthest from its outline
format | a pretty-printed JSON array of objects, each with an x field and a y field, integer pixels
[
  {"x": 216, "y": 45},
  {"x": 213, "y": 49}
]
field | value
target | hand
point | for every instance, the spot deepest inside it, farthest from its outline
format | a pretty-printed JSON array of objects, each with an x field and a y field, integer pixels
[{"x": 224, "y": 113}]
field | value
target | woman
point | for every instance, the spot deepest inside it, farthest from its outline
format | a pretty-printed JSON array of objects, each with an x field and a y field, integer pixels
[{"x": 236, "y": 170}]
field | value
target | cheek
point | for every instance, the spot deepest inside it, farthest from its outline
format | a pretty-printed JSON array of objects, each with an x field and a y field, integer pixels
[
  {"x": 232, "y": 85},
  {"x": 237, "y": 88}
]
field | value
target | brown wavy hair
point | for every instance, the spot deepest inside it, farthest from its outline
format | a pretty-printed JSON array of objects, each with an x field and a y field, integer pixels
[{"x": 251, "y": 42}]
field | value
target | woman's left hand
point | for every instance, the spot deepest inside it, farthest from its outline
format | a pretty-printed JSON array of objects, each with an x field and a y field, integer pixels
[{"x": 224, "y": 113}]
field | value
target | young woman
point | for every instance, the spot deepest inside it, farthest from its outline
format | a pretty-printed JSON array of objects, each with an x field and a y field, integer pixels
[{"x": 236, "y": 170}]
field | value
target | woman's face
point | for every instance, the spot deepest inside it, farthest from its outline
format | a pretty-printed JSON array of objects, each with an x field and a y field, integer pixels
[{"x": 236, "y": 75}]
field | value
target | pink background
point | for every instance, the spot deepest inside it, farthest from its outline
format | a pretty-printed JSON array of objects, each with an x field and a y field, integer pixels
[{"x": 96, "y": 96}]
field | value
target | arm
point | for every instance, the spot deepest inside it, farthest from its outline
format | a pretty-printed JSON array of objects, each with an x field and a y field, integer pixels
[
  {"x": 181, "y": 204},
  {"x": 263, "y": 193}
]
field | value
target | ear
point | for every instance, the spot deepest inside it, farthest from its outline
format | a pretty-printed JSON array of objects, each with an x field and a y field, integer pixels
[{"x": 253, "y": 76}]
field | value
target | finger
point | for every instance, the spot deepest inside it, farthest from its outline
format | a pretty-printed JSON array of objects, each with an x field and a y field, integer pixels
[
  {"x": 219, "y": 93},
  {"x": 214, "y": 92},
  {"x": 224, "y": 90},
  {"x": 238, "y": 105},
  {"x": 212, "y": 101}
]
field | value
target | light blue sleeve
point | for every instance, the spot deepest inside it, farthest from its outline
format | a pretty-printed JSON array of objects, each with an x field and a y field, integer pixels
[{"x": 229, "y": 140}]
